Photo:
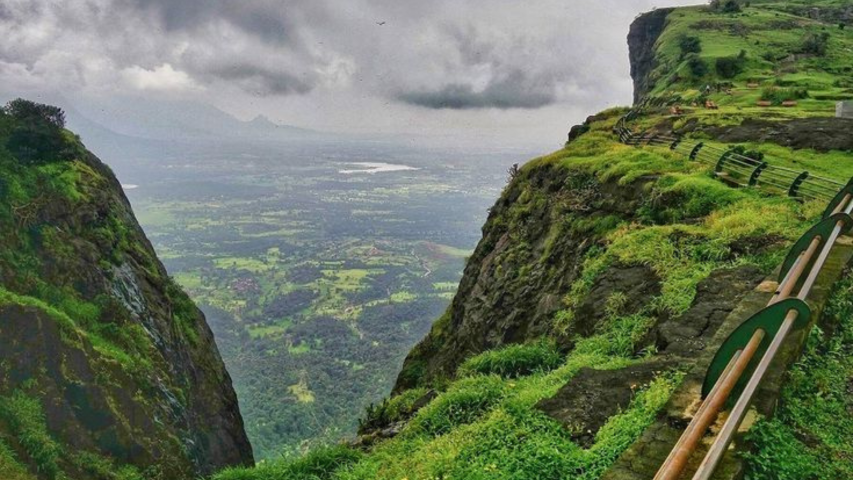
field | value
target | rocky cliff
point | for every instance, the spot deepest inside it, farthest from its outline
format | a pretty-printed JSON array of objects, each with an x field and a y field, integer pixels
[
  {"x": 532, "y": 251},
  {"x": 640, "y": 254},
  {"x": 108, "y": 370},
  {"x": 642, "y": 40}
]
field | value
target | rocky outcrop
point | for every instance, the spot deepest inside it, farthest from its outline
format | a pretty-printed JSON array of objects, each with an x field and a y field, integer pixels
[
  {"x": 819, "y": 133},
  {"x": 638, "y": 285},
  {"x": 642, "y": 39},
  {"x": 577, "y": 130},
  {"x": 588, "y": 401},
  {"x": 526, "y": 262},
  {"x": 92, "y": 329},
  {"x": 716, "y": 297}
]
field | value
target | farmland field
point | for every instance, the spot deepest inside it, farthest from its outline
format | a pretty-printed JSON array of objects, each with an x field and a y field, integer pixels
[{"x": 318, "y": 266}]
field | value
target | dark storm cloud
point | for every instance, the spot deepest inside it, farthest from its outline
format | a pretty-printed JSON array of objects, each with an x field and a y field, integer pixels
[
  {"x": 264, "y": 51},
  {"x": 492, "y": 70},
  {"x": 269, "y": 20},
  {"x": 262, "y": 81},
  {"x": 512, "y": 91}
]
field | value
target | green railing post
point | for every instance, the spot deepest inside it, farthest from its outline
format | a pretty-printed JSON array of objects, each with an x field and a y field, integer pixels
[
  {"x": 753, "y": 179},
  {"x": 721, "y": 162},
  {"x": 795, "y": 186},
  {"x": 695, "y": 151}
]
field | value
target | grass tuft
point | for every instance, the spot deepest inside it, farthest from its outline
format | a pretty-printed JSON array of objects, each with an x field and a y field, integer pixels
[
  {"x": 513, "y": 361},
  {"x": 25, "y": 417},
  {"x": 320, "y": 464}
]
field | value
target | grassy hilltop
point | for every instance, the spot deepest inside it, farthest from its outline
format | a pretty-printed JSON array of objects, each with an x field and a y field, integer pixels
[{"x": 570, "y": 224}]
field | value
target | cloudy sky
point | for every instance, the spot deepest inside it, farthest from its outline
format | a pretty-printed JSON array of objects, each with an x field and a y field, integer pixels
[{"x": 504, "y": 69}]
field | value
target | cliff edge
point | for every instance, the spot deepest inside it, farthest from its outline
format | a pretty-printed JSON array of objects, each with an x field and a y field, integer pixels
[{"x": 108, "y": 370}]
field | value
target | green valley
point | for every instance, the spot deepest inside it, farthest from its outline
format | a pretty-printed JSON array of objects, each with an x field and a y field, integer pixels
[{"x": 316, "y": 280}]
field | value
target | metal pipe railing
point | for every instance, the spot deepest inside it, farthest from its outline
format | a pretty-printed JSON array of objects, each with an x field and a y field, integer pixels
[
  {"x": 676, "y": 462},
  {"x": 774, "y": 183},
  {"x": 732, "y": 423},
  {"x": 708, "y": 411}
]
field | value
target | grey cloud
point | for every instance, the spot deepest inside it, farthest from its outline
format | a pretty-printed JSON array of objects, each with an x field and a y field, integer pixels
[
  {"x": 511, "y": 91},
  {"x": 275, "y": 59},
  {"x": 263, "y": 81},
  {"x": 472, "y": 48},
  {"x": 429, "y": 56},
  {"x": 273, "y": 21}
]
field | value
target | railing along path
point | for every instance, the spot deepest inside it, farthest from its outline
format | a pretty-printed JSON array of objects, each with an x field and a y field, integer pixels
[
  {"x": 744, "y": 358},
  {"x": 731, "y": 165}
]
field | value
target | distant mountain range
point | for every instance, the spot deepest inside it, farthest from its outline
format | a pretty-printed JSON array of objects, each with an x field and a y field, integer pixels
[
  {"x": 177, "y": 120},
  {"x": 134, "y": 118}
]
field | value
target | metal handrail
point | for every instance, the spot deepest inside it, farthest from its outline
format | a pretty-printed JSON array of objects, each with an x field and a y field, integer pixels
[
  {"x": 732, "y": 423},
  {"x": 710, "y": 408}
]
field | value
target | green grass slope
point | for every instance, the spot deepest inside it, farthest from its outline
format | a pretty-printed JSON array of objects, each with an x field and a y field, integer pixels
[{"x": 481, "y": 422}]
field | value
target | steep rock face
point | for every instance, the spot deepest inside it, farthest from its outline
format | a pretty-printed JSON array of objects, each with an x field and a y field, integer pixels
[
  {"x": 531, "y": 252},
  {"x": 642, "y": 38},
  {"x": 119, "y": 364},
  {"x": 821, "y": 134}
]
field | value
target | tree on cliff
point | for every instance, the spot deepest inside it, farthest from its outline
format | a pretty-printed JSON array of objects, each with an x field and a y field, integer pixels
[
  {"x": 36, "y": 132},
  {"x": 689, "y": 45},
  {"x": 726, "y": 6}
]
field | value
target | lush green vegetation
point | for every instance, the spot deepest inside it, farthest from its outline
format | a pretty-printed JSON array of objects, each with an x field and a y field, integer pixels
[
  {"x": 101, "y": 468},
  {"x": 390, "y": 411},
  {"x": 54, "y": 174},
  {"x": 758, "y": 51},
  {"x": 37, "y": 134},
  {"x": 10, "y": 467},
  {"x": 71, "y": 264},
  {"x": 513, "y": 361},
  {"x": 497, "y": 434},
  {"x": 320, "y": 464}
]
